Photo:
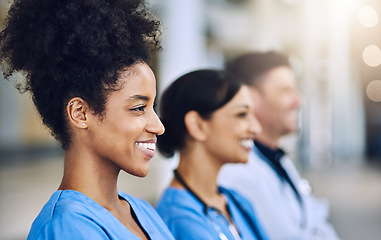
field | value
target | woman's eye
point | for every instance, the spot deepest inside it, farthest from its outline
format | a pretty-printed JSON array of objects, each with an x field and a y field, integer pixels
[
  {"x": 139, "y": 109},
  {"x": 242, "y": 114}
]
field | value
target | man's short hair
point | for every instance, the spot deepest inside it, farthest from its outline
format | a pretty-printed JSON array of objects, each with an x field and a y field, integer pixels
[{"x": 250, "y": 66}]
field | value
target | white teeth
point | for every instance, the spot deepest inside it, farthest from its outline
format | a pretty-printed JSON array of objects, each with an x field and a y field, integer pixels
[
  {"x": 151, "y": 146},
  {"x": 247, "y": 143}
]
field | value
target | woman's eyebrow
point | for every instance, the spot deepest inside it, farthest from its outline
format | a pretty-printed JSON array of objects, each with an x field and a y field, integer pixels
[
  {"x": 140, "y": 97},
  {"x": 243, "y": 106}
]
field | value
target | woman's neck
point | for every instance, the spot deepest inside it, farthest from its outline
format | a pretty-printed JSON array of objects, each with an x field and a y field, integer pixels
[
  {"x": 91, "y": 176},
  {"x": 199, "y": 171}
]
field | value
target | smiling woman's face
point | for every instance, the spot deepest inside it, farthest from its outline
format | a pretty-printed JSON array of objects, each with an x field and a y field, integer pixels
[
  {"x": 232, "y": 128},
  {"x": 125, "y": 138}
]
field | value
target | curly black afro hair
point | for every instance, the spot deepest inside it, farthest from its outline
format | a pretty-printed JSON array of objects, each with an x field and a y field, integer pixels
[{"x": 70, "y": 48}]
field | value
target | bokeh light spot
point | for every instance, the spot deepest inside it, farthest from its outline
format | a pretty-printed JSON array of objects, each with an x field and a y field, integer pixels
[
  {"x": 372, "y": 55},
  {"x": 373, "y": 90},
  {"x": 368, "y": 17}
]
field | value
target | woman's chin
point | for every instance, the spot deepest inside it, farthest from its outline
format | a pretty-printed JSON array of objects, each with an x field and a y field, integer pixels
[
  {"x": 245, "y": 160},
  {"x": 240, "y": 160},
  {"x": 140, "y": 172}
]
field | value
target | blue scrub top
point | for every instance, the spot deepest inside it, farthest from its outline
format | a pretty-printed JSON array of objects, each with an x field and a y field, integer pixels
[
  {"x": 72, "y": 215},
  {"x": 186, "y": 219}
]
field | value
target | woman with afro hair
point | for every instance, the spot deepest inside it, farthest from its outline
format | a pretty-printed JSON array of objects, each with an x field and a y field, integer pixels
[{"x": 85, "y": 63}]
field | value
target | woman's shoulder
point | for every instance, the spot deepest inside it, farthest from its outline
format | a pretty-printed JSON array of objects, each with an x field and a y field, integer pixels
[
  {"x": 229, "y": 192},
  {"x": 235, "y": 196},
  {"x": 176, "y": 202},
  {"x": 67, "y": 213},
  {"x": 68, "y": 201},
  {"x": 183, "y": 214},
  {"x": 177, "y": 197}
]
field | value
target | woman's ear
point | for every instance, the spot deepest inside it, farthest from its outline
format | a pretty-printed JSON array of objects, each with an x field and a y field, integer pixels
[
  {"x": 76, "y": 110},
  {"x": 195, "y": 125}
]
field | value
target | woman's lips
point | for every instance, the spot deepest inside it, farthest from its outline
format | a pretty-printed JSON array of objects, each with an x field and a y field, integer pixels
[
  {"x": 148, "y": 148},
  {"x": 247, "y": 144}
]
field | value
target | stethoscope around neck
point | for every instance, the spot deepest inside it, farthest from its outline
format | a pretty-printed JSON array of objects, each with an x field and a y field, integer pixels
[{"x": 221, "y": 235}]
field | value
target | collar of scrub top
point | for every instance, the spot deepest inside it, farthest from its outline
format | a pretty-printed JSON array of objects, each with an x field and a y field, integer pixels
[
  {"x": 247, "y": 217},
  {"x": 274, "y": 156},
  {"x": 206, "y": 207}
]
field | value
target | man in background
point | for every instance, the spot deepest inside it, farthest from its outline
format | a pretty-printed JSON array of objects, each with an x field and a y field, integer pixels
[{"x": 280, "y": 197}]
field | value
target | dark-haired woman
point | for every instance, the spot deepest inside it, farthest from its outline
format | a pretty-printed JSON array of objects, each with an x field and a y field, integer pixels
[
  {"x": 87, "y": 73},
  {"x": 209, "y": 119}
]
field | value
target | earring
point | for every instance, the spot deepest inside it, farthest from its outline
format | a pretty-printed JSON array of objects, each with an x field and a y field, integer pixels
[
  {"x": 83, "y": 124},
  {"x": 70, "y": 104}
]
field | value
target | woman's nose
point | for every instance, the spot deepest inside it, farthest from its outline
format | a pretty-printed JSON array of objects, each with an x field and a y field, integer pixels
[
  {"x": 155, "y": 126},
  {"x": 255, "y": 126}
]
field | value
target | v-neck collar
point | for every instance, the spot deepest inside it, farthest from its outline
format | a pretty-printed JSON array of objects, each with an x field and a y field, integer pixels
[{"x": 134, "y": 208}]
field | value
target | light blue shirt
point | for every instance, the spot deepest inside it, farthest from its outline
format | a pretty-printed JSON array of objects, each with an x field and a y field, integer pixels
[
  {"x": 186, "y": 218},
  {"x": 276, "y": 205},
  {"x": 72, "y": 215}
]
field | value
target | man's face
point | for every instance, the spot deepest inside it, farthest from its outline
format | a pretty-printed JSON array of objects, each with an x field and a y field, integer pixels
[{"x": 277, "y": 102}]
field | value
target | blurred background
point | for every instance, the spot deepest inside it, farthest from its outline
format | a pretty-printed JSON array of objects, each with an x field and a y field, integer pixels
[{"x": 334, "y": 47}]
